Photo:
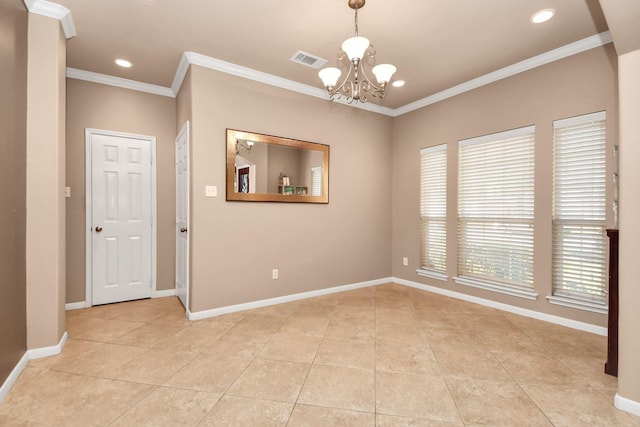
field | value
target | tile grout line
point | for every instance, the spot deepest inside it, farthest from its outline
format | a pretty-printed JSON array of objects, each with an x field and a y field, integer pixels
[
  {"x": 311, "y": 365},
  {"x": 444, "y": 378}
]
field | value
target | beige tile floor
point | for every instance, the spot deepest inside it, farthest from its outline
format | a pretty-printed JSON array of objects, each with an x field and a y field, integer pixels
[{"x": 380, "y": 356}]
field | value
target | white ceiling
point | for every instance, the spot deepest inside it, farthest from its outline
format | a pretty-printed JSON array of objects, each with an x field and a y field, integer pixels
[{"x": 435, "y": 44}]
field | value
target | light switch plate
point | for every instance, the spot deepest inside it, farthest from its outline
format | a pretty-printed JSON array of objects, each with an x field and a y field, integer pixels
[
  {"x": 210, "y": 191},
  {"x": 67, "y": 191},
  {"x": 405, "y": 261}
]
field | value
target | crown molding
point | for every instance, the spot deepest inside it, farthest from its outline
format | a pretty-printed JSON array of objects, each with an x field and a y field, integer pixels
[
  {"x": 181, "y": 72},
  {"x": 194, "y": 58},
  {"x": 90, "y": 76},
  {"x": 56, "y": 11},
  {"x": 519, "y": 67}
]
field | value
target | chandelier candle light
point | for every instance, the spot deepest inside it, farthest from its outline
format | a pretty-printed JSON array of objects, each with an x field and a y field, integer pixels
[{"x": 356, "y": 85}]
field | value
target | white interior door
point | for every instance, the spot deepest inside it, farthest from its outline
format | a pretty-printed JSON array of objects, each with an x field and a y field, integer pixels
[
  {"x": 182, "y": 215},
  {"x": 121, "y": 217}
]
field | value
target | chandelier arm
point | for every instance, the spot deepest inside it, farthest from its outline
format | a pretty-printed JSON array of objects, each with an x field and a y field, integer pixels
[
  {"x": 347, "y": 79},
  {"x": 342, "y": 56},
  {"x": 344, "y": 89},
  {"x": 365, "y": 87},
  {"x": 370, "y": 55},
  {"x": 348, "y": 91},
  {"x": 369, "y": 81}
]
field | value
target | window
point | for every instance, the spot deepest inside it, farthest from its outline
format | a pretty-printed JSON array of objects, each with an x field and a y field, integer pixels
[
  {"x": 495, "y": 212},
  {"x": 579, "y": 212},
  {"x": 316, "y": 181},
  {"x": 433, "y": 211}
]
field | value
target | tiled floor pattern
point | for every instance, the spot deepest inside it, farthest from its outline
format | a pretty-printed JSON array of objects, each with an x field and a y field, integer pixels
[{"x": 380, "y": 356}]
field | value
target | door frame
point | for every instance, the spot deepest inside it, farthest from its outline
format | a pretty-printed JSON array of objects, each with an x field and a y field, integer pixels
[
  {"x": 185, "y": 131},
  {"x": 88, "y": 132}
]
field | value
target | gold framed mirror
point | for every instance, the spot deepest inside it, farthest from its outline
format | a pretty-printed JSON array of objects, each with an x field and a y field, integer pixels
[{"x": 266, "y": 168}]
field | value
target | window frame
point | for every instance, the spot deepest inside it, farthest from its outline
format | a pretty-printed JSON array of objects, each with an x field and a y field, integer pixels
[
  {"x": 574, "y": 227},
  {"x": 433, "y": 171},
  {"x": 502, "y": 150}
]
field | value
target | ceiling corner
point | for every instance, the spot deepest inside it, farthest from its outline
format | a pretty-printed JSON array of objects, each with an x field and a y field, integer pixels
[{"x": 56, "y": 11}]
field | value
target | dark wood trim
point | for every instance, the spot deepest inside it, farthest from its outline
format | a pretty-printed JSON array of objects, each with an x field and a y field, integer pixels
[{"x": 611, "y": 366}]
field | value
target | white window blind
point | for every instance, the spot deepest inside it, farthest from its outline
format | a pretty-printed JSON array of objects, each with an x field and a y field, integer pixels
[
  {"x": 495, "y": 211},
  {"x": 579, "y": 208},
  {"x": 433, "y": 208},
  {"x": 316, "y": 181}
]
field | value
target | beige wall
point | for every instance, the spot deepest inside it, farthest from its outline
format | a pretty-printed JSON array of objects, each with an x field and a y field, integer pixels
[
  {"x": 45, "y": 182},
  {"x": 629, "y": 344},
  {"x": 13, "y": 125},
  {"x": 577, "y": 85},
  {"x": 91, "y": 105},
  {"x": 235, "y": 245}
]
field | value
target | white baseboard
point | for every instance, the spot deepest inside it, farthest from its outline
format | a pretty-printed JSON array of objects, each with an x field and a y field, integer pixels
[
  {"x": 75, "y": 305},
  {"x": 38, "y": 353},
  {"x": 199, "y": 315},
  {"x": 574, "y": 324},
  {"x": 627, "y": 405},
  {"x": 34, "y": 353},
  {"x": 164, "y": 293},
  {"x": 13, "y": 376}
]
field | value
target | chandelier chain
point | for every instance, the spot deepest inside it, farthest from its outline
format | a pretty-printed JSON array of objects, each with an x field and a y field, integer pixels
[{"x": 356, "y": 20}]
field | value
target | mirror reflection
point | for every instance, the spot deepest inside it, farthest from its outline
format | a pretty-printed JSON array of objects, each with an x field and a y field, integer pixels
[{"x": 267, "y": 168}]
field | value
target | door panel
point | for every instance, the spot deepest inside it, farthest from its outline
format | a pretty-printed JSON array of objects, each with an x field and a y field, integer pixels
[
  {"x": 182, "y": 215},
  {"x": 110, "y": 262},
  {"x": 136, "y": 260},
  {"x": 121, "y": 218}
]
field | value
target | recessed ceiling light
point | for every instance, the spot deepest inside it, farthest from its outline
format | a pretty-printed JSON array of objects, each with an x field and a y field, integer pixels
[
  {"x": 123, "y": 63},
  {"x": 542, "y": 16},
  {"x": 398, "y": 83}
]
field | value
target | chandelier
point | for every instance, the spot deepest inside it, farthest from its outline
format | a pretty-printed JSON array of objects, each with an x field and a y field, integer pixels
[
  {"x": 243, "y": 146},
  {"x": 356, "y": 85}
]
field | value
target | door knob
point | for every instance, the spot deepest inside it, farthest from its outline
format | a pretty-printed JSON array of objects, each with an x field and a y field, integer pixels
[
  {"x": 98, "y": 229},
  {"x": 183, "y": 230}
]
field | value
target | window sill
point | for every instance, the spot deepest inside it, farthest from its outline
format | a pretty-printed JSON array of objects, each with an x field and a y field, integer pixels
[
  {"x": 514, "y": 291},
  {"x": 578, "y": 304},
  {"x": 433, "y": 274}
]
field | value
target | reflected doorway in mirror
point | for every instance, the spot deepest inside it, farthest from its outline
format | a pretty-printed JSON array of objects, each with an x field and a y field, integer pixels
[{"x": 243, "y": 180}]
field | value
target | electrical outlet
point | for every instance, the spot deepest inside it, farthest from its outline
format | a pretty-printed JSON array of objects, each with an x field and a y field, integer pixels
[
  {"x": 405, "y": 261},
  {"x": 274, "y": 274}
]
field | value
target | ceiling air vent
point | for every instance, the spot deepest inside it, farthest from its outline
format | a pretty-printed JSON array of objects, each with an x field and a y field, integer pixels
[{"x": 307, "y": 59}]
